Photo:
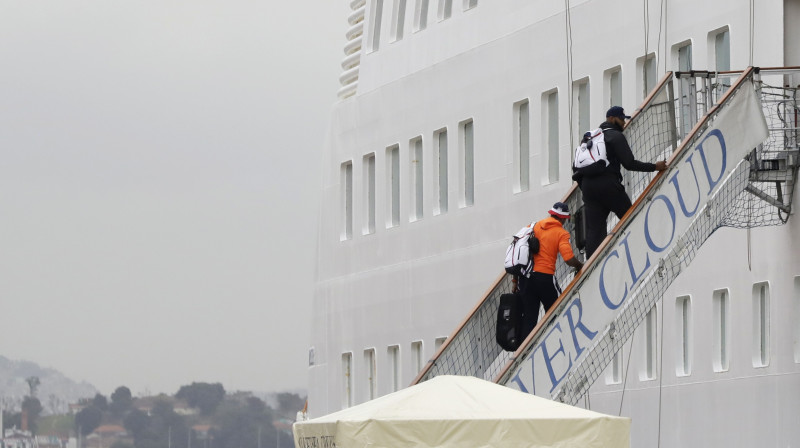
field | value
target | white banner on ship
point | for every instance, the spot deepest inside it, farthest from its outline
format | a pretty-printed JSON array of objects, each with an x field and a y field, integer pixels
[{"x": 691, "y": 180}]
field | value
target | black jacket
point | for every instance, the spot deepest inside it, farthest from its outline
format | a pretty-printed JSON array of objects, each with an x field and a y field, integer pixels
[{"x": 619, "y": 154}]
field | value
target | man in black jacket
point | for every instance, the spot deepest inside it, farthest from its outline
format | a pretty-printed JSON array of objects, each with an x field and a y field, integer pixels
[{"x": 601, "y": 185}]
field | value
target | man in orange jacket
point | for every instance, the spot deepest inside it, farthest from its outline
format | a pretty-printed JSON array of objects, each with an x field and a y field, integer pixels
[{"x": 541, "y": 286}]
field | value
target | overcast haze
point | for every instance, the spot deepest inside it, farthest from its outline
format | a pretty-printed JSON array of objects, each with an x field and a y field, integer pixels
[{"x": 159, "y": 176}]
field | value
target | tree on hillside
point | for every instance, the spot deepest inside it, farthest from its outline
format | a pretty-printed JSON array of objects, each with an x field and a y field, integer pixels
[
  {"x": 100, "y": 402},
  {"x": 33, "y": 383},
  {"x": 289, "y": 404},
  {"x": 88, "y": 419},
  {"x": 121, "y": 401},
  {"x": 136, "y": 422},
  {"x": 165, "y": 428},
  {"x": 33, "y": 408},
  {"x": 204, "y": 396},
  {"x": 240, "y": 424}
]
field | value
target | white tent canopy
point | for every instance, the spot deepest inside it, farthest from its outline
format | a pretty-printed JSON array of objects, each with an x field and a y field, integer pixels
[{"x": 462, "y": 411}]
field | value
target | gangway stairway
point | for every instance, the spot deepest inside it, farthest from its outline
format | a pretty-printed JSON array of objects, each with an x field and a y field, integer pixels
[{"x": 734, "y": 166}]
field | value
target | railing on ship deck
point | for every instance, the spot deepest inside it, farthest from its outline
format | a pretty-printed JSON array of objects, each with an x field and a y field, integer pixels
[{"x": 655, "y": 131}]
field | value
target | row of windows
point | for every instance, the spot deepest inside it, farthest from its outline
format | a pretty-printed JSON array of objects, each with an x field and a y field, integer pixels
[
  {"x": 522, "y": 133},
  {"x": 721, "y": 336},
  {"x": 721, "y": 342},
  {"x": 370, "y": 371},
  {"x": 416, "y": 160},
  {"x": 398, "y": 19}
]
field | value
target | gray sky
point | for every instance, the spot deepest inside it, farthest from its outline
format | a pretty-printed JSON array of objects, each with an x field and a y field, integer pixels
[{"x": 159, "y": 176}]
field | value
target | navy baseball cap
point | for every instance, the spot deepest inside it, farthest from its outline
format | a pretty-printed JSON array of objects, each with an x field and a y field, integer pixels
[{"x": 617, "y": 111}]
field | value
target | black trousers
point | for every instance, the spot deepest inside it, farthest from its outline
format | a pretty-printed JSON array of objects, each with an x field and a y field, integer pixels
[
  {"x": 539, "y": 288},
  {"x": 601, "y": 195}
]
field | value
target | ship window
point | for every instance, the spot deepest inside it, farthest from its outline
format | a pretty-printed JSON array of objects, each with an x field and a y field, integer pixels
[
  {"x": 761, "y": 324},
  {"x": 398, "y": 19},
  {"x": 347, "y": 200},
  {"x": 394, "y": 366},
  {"x": 375, "y": 17},
  {"x": 440, "y": 158},
  {"x": 719, "y": 43},
  {"x": 467, "y": 162},
  {"x": 522, "y": 149},
  {"x": 650, "y": 345},
  {"x": 393, "y": 185},
  {"x": 613, "y": 86},
  {"x": 550, "y": 132},
  {"x": 683, "y": 331},
  {"x": 685, "y": 57},
  {"x": 647, "y": 73},
  {"x": 469, "y": 4},
  {"x": 445, "y": 9},
  {"x": 417, "y": 357},
  {"x": 369, "y": 193},
  {"x": 347, "y": 379},
  {"x": 614, "y": 372},
  {"x": 722, "y": 331},
  {"x": 416, "y": 178},
  {"x": 580, "y": 94},
  {"x": 370, "y": 373},
  {"x": 797, "y": 319},
  {"x": 722, "y": 51},
  {"x": 421, "y": 15}
]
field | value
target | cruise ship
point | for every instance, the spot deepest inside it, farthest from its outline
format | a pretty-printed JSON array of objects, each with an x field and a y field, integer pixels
[{"x": 456, "y": 124}]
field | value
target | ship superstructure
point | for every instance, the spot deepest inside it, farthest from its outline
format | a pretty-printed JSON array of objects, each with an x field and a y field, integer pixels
[{"x": 456, "y": 125}]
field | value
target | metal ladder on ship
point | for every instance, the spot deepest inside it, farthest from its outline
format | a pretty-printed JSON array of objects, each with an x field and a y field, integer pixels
[{"x": 756, "y": 191}]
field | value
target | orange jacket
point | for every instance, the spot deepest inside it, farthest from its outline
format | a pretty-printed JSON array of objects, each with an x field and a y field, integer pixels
[{"x": 553, "y": 239}]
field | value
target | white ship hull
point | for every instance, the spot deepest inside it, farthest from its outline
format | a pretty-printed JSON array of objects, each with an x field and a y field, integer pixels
[{"x": 395, "y": 277}]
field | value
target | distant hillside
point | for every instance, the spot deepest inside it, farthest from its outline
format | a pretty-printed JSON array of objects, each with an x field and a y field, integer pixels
[{"x": 55, "y": 391}]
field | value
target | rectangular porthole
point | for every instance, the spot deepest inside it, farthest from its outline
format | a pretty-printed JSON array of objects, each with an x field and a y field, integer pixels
[
  {"x": 417, "y": 357},
  {"x": 394, "y": 367},
  {"x": 721, "y": 330},
  {"x": 416, "y": 163},
  {"x": 650, "y": 343},
  {"x": 440, "y": 159},
  {"x": 421, "y": 15},
  {"x": 445, "y": 9},
  {"x": 761, "y": 324},
  {"x": 438, "y": 342},
  {"x": 398, "y": 19},
  {"x": 796, "y": 319},
  {"x": 522, "y": 149},
  {"x": 393, "y": 186},
  {"x": 647, "y": 74},
  {"x": 613, "y": 86},
  {"x": 370, "y": 370},
  {"x": 369, "y": 194},
  {"x": 614, "y": 371},
  {"x": 375, "y": 18},
  {"x": 683, "y": 331},
  {"x": 580, "y": 95},
  {"x": 347, "y": 379},
  {"x": 467, "y": 162},
  {"x": 550, "y": 132},
  {"x": 347, "y": 200}
]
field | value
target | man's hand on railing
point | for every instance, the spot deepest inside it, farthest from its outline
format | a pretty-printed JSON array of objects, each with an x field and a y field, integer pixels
[{"x": 661, "y": 165}]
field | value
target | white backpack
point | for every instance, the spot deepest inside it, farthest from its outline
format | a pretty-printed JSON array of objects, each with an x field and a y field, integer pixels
[
  {"x": 591, "y": 149},
  {"x": 519, "y": 259}
]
